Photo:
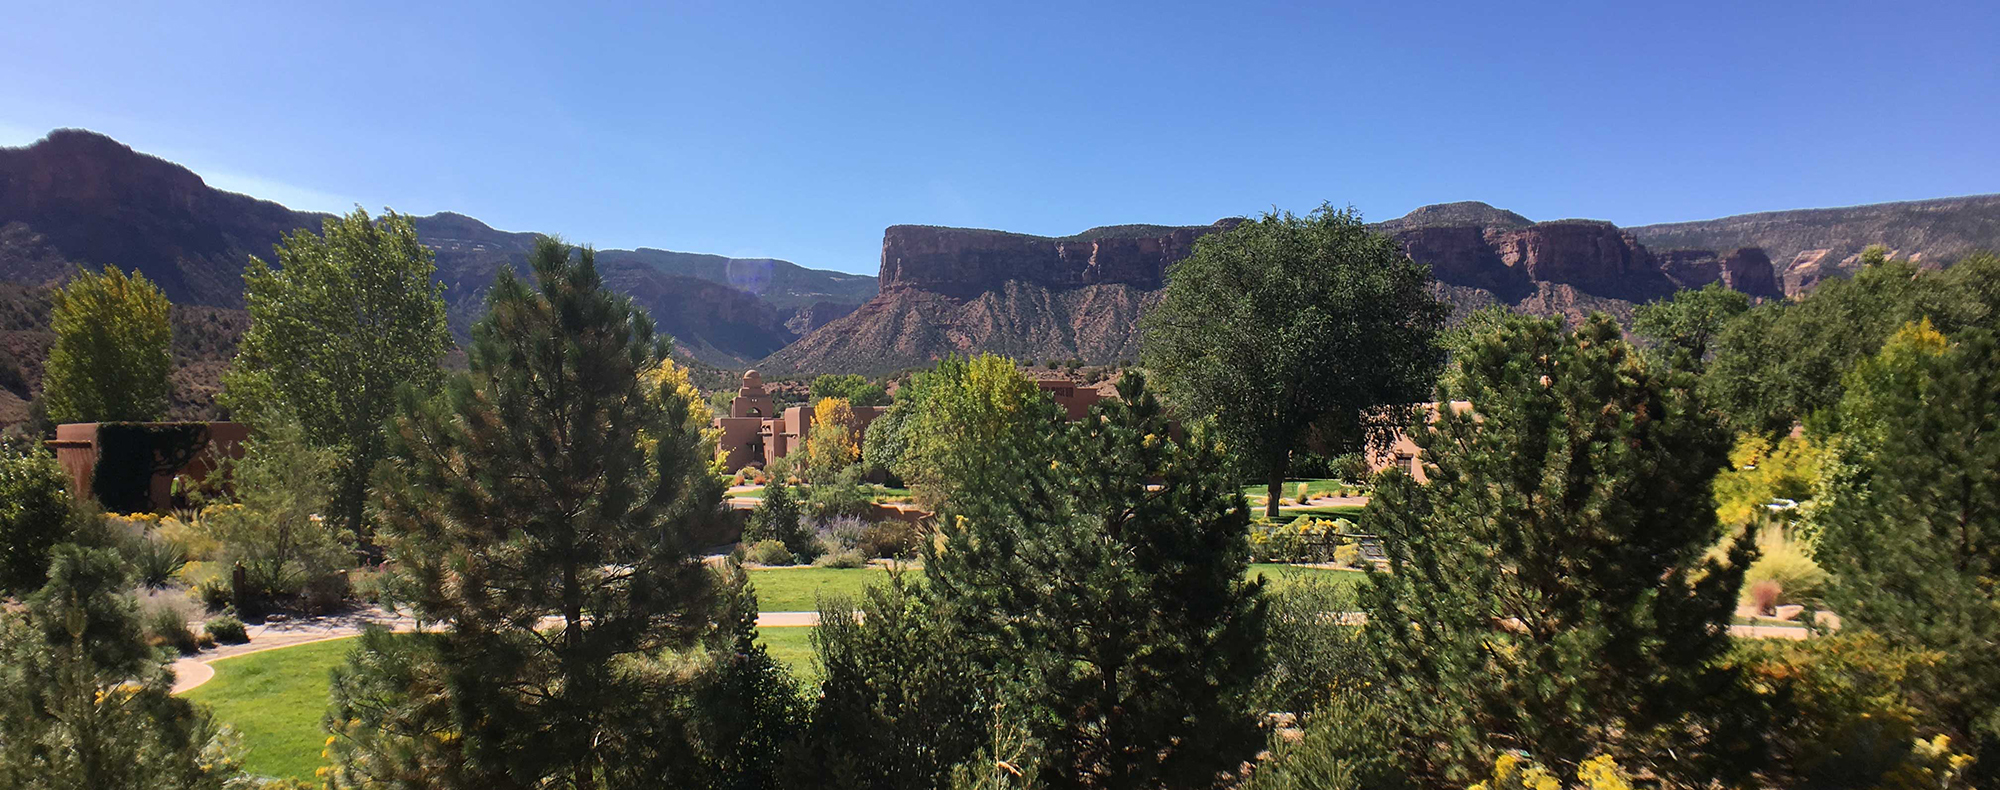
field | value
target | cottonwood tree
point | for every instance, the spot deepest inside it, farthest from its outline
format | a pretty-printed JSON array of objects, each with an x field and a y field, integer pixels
[
  {"x": 1908, "y": 519},
  {"x": 966, "y": 424},
  {"x": 1549, "y": 589},
  {"x": 541, "y": 512},
  {"x": 1102, "y": 590},
  {"x": 86, "y": 702},
  {"x": 346, "y": 317},
  {"x": 1287, "y": 328},
  {"x": 113, "y": 349},
  {"x": 1781, "y": 362},
  {"x": 1684, "y": 327}
]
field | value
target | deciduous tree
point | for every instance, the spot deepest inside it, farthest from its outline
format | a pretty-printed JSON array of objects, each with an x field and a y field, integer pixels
[
  {"x": 972, "y": 417},
  {"x": 1287, "y": 328},
  {"x": 113, "y": 349},
  {"x": 347, "y": 316},
  {"x": 1911, "y": 530},
  {"x": 1684, "y": 327}
]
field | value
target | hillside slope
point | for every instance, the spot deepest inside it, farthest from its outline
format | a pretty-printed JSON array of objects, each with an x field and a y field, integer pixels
[{"x": 1810, "y": 244}]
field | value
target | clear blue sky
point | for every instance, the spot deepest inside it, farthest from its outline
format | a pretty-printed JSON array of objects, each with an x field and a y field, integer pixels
[{"x": 800, "y": 130}]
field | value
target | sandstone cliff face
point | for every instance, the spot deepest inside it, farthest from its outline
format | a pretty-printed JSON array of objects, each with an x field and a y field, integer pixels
[
  {"x": 1513, "y": 258},
  {"x": 1808, "y": 245},
  {"x": 962, "y": 263},
  {"x": 952, "y": 290}
]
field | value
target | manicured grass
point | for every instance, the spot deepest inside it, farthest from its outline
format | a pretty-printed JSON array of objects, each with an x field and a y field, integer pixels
[
  {"x": 275, "y": 698},
  {"x": 1320, "y": 485},
  {"x": 1274, "y": 572},
  {"x": 791, "y": 645},
  {"x": 798, "y": 589}
]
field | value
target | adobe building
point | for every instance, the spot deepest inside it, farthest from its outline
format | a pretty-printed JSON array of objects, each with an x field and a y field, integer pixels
[{"x": 755, "y": 433}]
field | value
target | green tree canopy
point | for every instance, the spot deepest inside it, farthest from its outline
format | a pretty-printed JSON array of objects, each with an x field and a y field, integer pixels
[
  {"x": 347, "y": 316},
  {"x": 544, "y": 511},
  {"x": 1684, "y": 327},
  {"x": 1784, "y": 361},
  {"x": 113, "y": 350},
  {"x": 1100, "y": 586},
  {"x": 34, "y": 515},
  {"x": 857, "y": 390},
  {"x": 1548, "y": 588},
  {"x": 965, "y": 421},
  {"x": 1287, "y": 328},
  {"x": 1908, "y": 518}
]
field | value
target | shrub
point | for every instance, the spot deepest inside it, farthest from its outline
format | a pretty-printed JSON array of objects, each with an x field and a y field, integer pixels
[
  {"x": 893, "y": 539},
  {"x": 844, "y": 495},
  {"x": 1784, "y": 563},
  {"x": 156, "y": 561},
  {"x": 842, "y": 559},
  {"x": 1764, "y": 595},
  {"x": 275, "y": 530},
  {"x": 34, "y": 515},
  {"x": 226, "y": 629},
  {"x": 167, "y": 626},
  {"x": 326, "y": 593},
  {"x": 770, "y": 552},
  {"x": 840, "y": 533},
  {"x": 213, "y": 592},
  {"x": 368, "y": 584},
  {"x": 204, "y": 641}
]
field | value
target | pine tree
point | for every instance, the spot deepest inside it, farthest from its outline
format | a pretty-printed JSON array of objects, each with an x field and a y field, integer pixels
[
  {"x": 1103, "y": 593},
  {"x": 1549, "y": 591},
  {"x": 1910, "y": 525},
  {"x": 777, "y": 518},
  {"x": 85, "y": 702},
  {"x": 896, "y": 697},
  {"x": 748, "y": 713},
  {"x": 541, "y": 511}
]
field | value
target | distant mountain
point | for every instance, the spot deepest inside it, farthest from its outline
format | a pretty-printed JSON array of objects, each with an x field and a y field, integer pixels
[
  {"x": 950, "y": 290},
  {"x": 946, "y": 290},
  {"x": 78, "y": 198},
  {"x": 1808, "y": 245}
]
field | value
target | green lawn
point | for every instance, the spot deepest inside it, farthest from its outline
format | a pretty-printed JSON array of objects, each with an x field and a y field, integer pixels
[
  {"x": 875, "y": 492},
  {"x": 792, "y": 646},
  {"x": 276, "y": 698},
  {"x": 1320, "y": 485},
  {"x": 798, "y": 589}
]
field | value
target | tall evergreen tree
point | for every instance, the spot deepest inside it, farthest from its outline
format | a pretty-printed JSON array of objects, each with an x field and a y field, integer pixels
[
  {"x": 897, "y": 700},
  {"x": 1908, "y": 519},
  {"x": 1103, "y": 591},
  {"x": 1549, "y": 590},
  {"x": 85, "y": 702},
  {"x": 541, "y": 511},
  {"x": 347, "y": 316},
  {"x": 1288, "y": 329},
  {"x": 113, "y": 349}
]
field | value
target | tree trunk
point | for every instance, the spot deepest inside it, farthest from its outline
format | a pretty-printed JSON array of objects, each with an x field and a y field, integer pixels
[{"x": 1274, "y": 490}]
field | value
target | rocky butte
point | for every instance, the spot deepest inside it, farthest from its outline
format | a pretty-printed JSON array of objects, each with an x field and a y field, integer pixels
[{"x": 947, "y": 290}]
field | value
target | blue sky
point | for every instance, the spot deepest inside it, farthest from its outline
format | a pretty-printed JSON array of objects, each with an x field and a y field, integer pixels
[{"x": 801, "y": 130}]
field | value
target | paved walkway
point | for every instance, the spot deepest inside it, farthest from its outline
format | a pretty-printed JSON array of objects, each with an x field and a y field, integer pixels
[{"x": 192, "y": 671}]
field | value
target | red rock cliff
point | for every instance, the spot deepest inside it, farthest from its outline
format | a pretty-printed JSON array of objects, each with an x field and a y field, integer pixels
[{"x": 963, "y": 263}]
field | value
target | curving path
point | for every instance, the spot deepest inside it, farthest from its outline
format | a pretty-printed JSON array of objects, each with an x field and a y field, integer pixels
[{"x": 192, "y": 671}]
